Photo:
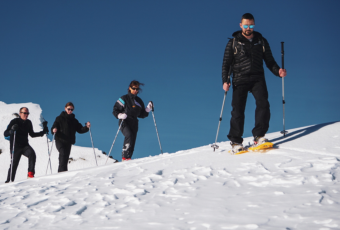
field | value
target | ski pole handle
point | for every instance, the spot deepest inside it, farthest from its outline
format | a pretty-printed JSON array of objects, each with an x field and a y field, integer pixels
[
  {"x": 282, "y": 54},
  {"x": 153, "y": 108}
]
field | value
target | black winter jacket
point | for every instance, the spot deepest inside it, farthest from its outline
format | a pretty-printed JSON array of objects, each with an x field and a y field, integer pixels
[
  {"x": 132, "y": 105},
  {"x": 67, "y": 126},
  {"x": 248, "y": 61},
  {"x": 21, "y": 137}
]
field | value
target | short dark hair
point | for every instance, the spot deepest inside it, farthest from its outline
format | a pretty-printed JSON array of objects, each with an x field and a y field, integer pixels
[
  {"x": 23, "y": 108},
  {"x": 248, "y": 16},
  {"x": 135, "y": 83},
  {"x": 69, "y": 104}
]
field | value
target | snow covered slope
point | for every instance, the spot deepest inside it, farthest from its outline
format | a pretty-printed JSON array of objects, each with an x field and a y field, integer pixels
[
  {"x": 82, "y": 157},
  {"x": 295, "y": 186}
]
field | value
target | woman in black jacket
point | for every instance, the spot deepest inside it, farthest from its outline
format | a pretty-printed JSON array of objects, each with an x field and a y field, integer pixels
[
  {"x": 128, "y": 108},
  {"x": 65, "y": 127}
]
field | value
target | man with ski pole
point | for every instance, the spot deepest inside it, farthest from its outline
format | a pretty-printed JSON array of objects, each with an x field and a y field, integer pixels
[
  {"x": 245, "y": 54},
  {"x": 18, "y": 131}
]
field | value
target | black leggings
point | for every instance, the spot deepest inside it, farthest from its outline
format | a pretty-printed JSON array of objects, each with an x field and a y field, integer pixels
[
  {"x": 64, "y": 150},
  {"x": 28, "y": 152}
]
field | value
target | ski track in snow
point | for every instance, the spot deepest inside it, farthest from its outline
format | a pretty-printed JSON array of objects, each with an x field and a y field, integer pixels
[{"x": 295, "y": 186}]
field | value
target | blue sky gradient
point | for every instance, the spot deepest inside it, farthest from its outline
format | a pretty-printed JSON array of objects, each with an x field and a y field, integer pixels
[{"x": 87, "y": 52}]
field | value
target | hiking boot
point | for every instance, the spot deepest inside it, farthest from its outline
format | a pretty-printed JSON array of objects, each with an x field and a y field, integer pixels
[
  {"x": 260, "y": 140},
  {"x": 236, "y": 148},
  {"x": 30, "y": 175}
]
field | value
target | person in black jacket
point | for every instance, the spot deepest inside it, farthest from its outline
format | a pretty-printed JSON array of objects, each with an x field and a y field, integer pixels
[
  {"x": 22, "y": 128},
  {"x": 245, "y": 54},
  {"x": 127, "y": 109},
  {"x": 65, "y": 127}
]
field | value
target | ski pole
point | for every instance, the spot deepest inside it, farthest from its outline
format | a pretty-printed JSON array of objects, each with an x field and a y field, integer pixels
[
  {"x": 215, "y": 146},
  {"x": 48, "y": 151},
  {"x": 44, "y": 122},
  {"x": 284, "y": 132},
  {"x": 159, "y": 141},
  {"x": 93, "y": 146},
  {"x": 12, "y": 156},
  {"x": 114, "y": 141},
  {"x": 49, "y": 155}
]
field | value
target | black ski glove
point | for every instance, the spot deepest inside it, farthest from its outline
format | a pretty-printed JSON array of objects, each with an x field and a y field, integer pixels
[
  {"x": 13, "y": 129},
  {"x": 45, "y": 130}
]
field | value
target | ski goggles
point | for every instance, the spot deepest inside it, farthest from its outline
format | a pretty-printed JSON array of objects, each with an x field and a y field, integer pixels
[{"x": 250, "y": 26}]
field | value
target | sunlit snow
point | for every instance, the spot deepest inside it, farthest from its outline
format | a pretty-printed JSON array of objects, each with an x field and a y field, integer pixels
[{"x": 294, "y": 186}]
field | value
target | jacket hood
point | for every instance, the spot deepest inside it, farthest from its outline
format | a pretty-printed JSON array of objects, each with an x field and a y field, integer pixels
[
  {"x": 238, "y": 34},
  {"x": 132, "y": 96},
  {"x": 64, "y": 114},
  {"x": 21, "y": 120}
]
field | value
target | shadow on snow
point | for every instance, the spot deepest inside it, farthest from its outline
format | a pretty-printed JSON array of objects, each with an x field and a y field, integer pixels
[{"x": 300, "y": 133}]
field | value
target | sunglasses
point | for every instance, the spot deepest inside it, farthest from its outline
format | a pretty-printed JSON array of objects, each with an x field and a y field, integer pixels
[
  {"x": 250, "y": 26},
  {"x": 25, "y": 113},
  {"x": 69, "y": 109},
  {"x": 135, "y": 88}
]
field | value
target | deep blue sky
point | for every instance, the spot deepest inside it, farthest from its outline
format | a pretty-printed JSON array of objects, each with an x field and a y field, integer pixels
[{"x": 87, "y": 52}]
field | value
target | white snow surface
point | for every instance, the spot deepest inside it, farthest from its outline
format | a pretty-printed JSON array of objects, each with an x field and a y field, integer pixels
[{"x": 294, "y": 186}]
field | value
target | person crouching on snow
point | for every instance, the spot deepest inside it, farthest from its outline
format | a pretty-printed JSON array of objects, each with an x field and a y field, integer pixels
[
  {"x": 22, "y": 127},
  {"x": 128, "y": 108},
  {"x": 65, "y": 127}
]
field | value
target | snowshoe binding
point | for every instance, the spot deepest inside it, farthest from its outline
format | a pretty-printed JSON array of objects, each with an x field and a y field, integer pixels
[
  {"x": 261, "y": 143},
  {"x": 237, "y": 148}
]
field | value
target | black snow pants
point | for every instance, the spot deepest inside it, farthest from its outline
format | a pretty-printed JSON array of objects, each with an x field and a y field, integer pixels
[
  {"x": 262, "y": 112},
  {"x": 64, "y": 150},
  {"x": 28, "y": 152},
  {"x": 129, "y": 129}
]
